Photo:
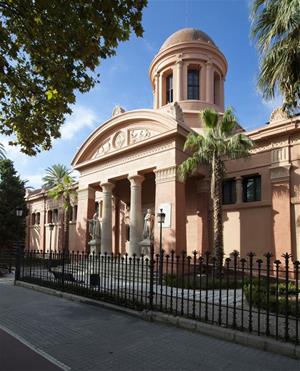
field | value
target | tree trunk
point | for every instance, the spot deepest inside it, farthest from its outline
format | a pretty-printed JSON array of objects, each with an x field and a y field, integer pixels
[
  {"x": 67, "y": 224},
  {"x": 216, "y": 192}
]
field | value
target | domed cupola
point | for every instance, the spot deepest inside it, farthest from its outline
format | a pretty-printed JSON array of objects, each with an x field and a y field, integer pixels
[{"x": 189, "y": 69}]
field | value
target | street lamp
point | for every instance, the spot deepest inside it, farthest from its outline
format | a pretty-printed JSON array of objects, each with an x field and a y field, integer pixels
[
  {"x": 51, "y": 226},
  {"x": 19, "y": 214},
  {"x": 19, "y": 211},
  {"x": 160, "y": 219}
]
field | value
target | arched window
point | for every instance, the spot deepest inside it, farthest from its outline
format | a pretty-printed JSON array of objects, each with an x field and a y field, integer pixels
[
  {"x": 193, "y": 84},
  {"x": 49, "y": 216},
  {"x": 169, "y": 88},
  {"x": 217, "y": 88},
  {"x": 38, "y": 218},
  {"x": 33, "y": 218},
  {"x": 55, "y": 216}
]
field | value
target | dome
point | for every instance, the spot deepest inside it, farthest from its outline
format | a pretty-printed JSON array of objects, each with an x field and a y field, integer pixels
[{"x": 187, "y": 35}]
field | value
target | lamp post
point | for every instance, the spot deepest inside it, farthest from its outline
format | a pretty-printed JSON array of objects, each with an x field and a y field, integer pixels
[
  {"x": 160, "y": 219},
  {"x": 19, "y": 214},
  {"x": 51, "y": 226}
]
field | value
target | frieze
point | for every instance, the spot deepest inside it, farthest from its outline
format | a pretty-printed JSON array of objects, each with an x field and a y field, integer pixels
[
  {"x": 137, "y": 155},
  {"x": 123, "y": 138}
]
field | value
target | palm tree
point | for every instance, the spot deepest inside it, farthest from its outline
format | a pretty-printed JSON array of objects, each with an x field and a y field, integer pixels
[
  {"x": 276, "y": 29},
  {"x": 219, "y": 141},
  {"x": 2, "y": 152},
  {"x": 60, "y": 185}
]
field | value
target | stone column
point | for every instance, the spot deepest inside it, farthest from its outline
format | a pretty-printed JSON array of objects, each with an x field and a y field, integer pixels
[
  {"x": 169, "y": 190},
  {"x": 179, "y": 90},
  {"x": 239, "y": 189},
  {"x": 156, "y": 91},
  {"x": 136, "y": 217},
  {"x": 160, "y": 91},
  {"x": 209, "y": 83},
  {"x": 85, "y": 211},
  {"x": 222, "y": 93},
  {"x": 281, "y": 202},
  {"x": 106, "y": 237}
]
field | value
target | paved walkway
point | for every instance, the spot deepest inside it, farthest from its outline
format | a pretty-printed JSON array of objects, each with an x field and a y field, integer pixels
[{"x": 90, "y": 338}]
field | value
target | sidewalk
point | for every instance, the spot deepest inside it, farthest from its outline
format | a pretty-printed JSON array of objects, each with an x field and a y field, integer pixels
[{"x": 90, "y": 338}]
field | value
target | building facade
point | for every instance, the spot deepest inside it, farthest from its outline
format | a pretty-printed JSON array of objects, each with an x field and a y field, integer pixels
[{"x": 129, "y": 165}]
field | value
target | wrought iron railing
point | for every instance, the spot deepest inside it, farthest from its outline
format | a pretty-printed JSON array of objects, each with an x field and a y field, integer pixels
[{"x": 260, "y": 296}]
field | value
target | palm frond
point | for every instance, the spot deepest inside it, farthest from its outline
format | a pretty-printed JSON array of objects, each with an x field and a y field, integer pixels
[{"x": 209, "y": 118}]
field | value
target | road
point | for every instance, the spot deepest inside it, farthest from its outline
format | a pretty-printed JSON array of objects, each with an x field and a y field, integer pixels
[{"x": 88, "y": 338}]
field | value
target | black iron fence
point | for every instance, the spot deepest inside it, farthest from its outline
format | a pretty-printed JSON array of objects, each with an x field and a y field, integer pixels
[
  {"x": 259, "y": 296},
  {"x": 7, "y": 260}
]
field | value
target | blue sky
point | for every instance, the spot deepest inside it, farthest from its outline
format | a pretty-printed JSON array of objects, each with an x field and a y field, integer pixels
[{"x": 124, "y": 78}]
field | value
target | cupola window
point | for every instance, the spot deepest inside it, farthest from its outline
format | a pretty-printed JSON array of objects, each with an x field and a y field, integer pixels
[
  {"x": 169, "y": 88},
  {"x": 193, "y": 84},
  {"x": 217, "y": 88}
]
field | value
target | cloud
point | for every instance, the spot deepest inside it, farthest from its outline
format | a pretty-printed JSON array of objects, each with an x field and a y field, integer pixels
[
  {"x": 13, "y": 152},
  {"x": 81, "y": 118},
  {"x": 34, "y": 181},
  {"x": 274, "y": 103}
]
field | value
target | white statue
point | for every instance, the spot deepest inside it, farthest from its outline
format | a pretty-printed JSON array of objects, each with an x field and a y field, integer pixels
[
  {"x": 95, "y": 233},
  {"x": 148, "y": 225}
]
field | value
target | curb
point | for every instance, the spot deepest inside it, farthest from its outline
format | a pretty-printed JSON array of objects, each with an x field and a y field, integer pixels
[{"x": 238, "y": 337}]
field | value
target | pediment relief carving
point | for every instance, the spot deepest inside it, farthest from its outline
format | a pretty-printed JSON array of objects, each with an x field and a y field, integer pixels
[{"x": 124, "y": 138}]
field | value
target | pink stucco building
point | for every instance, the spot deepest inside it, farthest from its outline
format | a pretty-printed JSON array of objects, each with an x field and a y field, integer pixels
[{"x": 128, "y": 165}]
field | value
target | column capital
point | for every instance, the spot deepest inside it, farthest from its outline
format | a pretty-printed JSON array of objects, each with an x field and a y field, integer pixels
[
  {"x": 238, "y": 178},
  {"x": 107, "y": 186},
  {"x": 166, "y": 175},
  {"x": 136, "y": 179}
]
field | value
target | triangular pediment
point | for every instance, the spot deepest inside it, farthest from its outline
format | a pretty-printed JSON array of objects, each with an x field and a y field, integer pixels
[{"x": 125, "y": 131}]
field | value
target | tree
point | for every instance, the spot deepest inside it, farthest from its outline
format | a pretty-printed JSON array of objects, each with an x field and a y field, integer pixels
[
  {"x": 60, "y": 185},
  {"x": 219, "y": 141},
  {"x": 12, "y": 196},
  {"x": 48, "y": 52},
  {"x": 276, "y": 29}
]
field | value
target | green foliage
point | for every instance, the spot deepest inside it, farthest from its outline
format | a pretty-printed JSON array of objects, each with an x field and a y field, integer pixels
[
  {"x": 12, "y": 196},
  {"x": 55, "y": 175},
  {"x": 221, "y": 139},
  {"x": 60, "y": 183},
  {"x": 259, "y": 296},
  {"x": 276, "y": 30},
  {"x": 49, "y": 51}
]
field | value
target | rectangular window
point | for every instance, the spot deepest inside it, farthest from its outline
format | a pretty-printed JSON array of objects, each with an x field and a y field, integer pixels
[
  {"x": 193, "y": 84},
  {"x": 229, "y": 192},
  {"x": 169, "y": 88},
  {"x": 252, "y": 188}
]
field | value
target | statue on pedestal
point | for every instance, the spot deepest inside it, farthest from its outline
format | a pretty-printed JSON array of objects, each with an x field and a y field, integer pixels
[
  {"x": 147, "y": 233},
  {"x": 95, "y": 233},
  {"x": 148, "y": 225}
]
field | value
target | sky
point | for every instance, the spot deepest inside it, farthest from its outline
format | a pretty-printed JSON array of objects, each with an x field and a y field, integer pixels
[{"x": 124, "y": 78}]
